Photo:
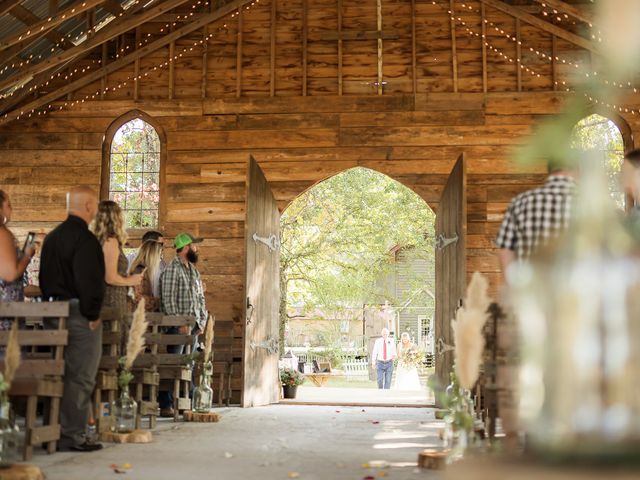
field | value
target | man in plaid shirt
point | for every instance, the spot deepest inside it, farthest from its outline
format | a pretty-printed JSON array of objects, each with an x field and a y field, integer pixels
[
  {"x": 536, "y": 216},
  {"x": 182, "y": 294}
]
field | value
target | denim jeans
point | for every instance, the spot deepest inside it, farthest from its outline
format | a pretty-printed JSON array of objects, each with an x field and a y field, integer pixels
[{"x": 385, "y": 371}]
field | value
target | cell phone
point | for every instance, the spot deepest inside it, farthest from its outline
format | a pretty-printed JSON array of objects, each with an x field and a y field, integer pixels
[
  {"x": 139, "y": 269},
  {"x": 31, "y": 236}
]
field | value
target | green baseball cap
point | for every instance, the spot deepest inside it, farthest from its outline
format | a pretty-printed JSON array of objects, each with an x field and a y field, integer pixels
[{"x": 184, "y": 239}]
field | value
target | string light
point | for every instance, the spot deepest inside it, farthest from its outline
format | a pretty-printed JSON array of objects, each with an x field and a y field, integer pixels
[{"x": 130, "y": 78}]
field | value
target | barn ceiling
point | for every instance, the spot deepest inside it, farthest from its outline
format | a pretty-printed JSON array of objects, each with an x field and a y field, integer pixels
[{"x": 42, "y": 38}]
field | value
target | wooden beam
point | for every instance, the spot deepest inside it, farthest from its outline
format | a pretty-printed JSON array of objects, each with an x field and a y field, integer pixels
[
  {"x": 205, "y": 60},
  {"x": 27, "y": 17},
  {"x": 53, "y": 7},
  {"x": 554, "y": 53},
  {"x": 484, "y": 47},
  {"x": 354, "y": 35},
  {"x": 414, "y": 68},
  {"x": 136, "y": 67},
  {"x": 272, "y": 49},
  {"x": 542, "y": 25},
  {"x": 518, "y": 57},
  {"x": 573, "y": 10},
  {"x": 340, "y": 80},
  {"x": 40, "y": 26},
  {"x": 113, "y": 7},
  {"x": 172, "y": 69},
  {"x": 103, "y": 78},
  {"x": 111, "y": 31},
  {"x": 239, "y": 54},
  {"x": 454, "y": 51},
  {"x": 379, "y": 25},
  {"x": 7, "y": 5},
  {"x": 305, "y": 34},
  {"x": 91, "y": 22},
  {"x": 127, "y": 60}
]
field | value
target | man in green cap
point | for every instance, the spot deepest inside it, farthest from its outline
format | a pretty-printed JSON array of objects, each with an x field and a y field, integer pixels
[{"x": 182, "y": 294}]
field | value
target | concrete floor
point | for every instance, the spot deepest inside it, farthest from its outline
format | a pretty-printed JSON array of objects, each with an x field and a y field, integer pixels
[{"x": 275, "y": 442}]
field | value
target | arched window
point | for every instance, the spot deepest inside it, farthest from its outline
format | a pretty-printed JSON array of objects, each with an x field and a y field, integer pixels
[
  {"x": 134, "y": 155},
  {"x": 602, "y": 135}
]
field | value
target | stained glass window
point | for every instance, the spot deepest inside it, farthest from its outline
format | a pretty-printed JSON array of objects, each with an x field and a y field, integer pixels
[{"x": 134, "y": 173}]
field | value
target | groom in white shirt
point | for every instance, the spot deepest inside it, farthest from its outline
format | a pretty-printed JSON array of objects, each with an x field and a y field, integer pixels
[{"x": 384, "y": 352}]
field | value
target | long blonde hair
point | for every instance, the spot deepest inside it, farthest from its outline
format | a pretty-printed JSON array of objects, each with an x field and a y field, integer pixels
[
  {"x": 109, "y": 223},
  {"x": 148, "y": 256}
]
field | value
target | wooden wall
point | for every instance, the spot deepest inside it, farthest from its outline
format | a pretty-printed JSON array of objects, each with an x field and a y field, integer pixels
[{"x": 281, "y": 86}]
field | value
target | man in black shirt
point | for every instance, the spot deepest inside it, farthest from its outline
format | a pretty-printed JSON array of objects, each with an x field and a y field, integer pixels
[{"x": 72, "y": 268}]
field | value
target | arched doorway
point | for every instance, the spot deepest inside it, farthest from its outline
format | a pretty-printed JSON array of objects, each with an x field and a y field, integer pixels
[{"x": 357, "y": 255}]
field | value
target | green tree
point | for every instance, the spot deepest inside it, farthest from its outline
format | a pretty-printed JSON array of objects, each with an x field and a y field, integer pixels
[{"x": 336, "y": 239}]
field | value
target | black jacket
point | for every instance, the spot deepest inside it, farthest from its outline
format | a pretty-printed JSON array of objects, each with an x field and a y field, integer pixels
[{"x": 72, "y": 266}]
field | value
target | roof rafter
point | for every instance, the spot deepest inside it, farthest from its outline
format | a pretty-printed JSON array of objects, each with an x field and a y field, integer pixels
[
  {"x": 7, "y": 5},
  {"x": 111, "y": 31},
  {"x": 573, "y": 10},
  {"x": 30, "y": 19},
  {"x": 37, "y": 28},
  {"x": 113, "y": 7},
  {"x": 128, "y": 59},
  {"x": 542, "y": 25}
]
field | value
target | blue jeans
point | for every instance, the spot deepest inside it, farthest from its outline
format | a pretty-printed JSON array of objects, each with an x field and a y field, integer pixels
[{"x": 385, "y": 371}]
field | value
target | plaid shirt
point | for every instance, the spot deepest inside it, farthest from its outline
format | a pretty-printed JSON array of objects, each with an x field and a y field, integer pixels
[
  {"x": 536, "y": 216},
  {"x": 181, "y": 291}
]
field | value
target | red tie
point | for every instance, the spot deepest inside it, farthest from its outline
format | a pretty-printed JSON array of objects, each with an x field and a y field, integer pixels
[{"x": 384, "y": 350}]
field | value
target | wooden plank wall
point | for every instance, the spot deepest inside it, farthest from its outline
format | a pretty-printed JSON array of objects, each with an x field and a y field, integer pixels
[{"x": 293, "y": 84}]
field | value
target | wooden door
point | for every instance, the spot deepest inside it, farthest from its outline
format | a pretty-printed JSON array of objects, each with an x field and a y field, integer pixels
[
  {"x": 262, "y": 291},
  {"x": 451, "y": 228}
]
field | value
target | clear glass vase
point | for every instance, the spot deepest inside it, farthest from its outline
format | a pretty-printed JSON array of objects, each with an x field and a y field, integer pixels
[
  {"x": 8, "y": 436},
  {"x": 203, "y": 393},
  {"x": 124, "y": 411}
]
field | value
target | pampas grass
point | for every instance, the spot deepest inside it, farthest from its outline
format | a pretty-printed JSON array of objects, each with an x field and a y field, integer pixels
[
  {"x": 12, "y": 355},
  {"x": 208, "y": 339},
  {"x": 135, "y": 343},
  {"x": 467, "y": 329}
]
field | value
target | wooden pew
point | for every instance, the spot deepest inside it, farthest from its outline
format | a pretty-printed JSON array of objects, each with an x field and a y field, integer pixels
[
  {"x": 106, "y": 388},
  {"x": 171, "y": 369},
  {"x": 40, "y": 376}
]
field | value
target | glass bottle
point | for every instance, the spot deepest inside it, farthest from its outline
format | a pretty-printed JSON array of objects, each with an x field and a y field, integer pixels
[
  {"x": 203, "y": 393},
  {"x": 8, "y": 435},
  {"x": 124, "y": 411},
  {"x": 577, "y": 304}
]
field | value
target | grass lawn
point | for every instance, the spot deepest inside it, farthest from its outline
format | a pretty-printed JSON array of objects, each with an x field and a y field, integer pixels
[{"x": 340, "y": 381}]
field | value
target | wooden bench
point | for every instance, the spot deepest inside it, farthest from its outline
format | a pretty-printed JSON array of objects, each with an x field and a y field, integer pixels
[
  {"x": 106, "y": 389},
  {"x": 40, "y": 376},
  {"x": 171, "y": 369}
]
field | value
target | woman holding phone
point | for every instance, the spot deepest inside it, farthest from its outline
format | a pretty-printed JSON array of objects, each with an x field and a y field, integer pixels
[
  {"x": 147, "y": 262},
  {"x": 109, "y": 228},
  {"x": 13, "y": 261}
]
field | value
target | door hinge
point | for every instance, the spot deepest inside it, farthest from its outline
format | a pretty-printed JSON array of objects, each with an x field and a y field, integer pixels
[
  {"x": 442, "y": 242},
  {"x": 272, "y": 242}
]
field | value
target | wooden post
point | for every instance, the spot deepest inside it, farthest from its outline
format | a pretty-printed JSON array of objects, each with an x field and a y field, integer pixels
[
  {"x": 103, "y": 80},
  {"x": 272, "y": 72},
  {"x": 136, "y": 67},
  {"x": 518, "y": 57},
  {"x": 305, "y": 33},
  {"x": 414, "y": 69},
  {"x": 91, "y": 21},
  {"x": 484, "y": 47},
  {"x": 239, "y": 55},
  {"x": 554, "y": 53},
  {"x": 379, "y": 14},
  {"x": 454, "y": 54},
  {"x": 339, "y": 47},
  {"x": 172, "y": 52},
  {"x": 53, "y": 7},
  {"x": 205, "y": 59}
]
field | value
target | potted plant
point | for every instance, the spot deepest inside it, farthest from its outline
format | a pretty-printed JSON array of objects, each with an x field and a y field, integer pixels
[{"x": 290, "y": 380}]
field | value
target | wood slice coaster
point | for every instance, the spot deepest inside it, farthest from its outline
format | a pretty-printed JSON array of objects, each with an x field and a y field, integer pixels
[
  {"x": 21, "y": 472},
  {"x": 191, "y": 416},
  {"x": 433, "y": 459},
  {"x": 137, "y": 436}
]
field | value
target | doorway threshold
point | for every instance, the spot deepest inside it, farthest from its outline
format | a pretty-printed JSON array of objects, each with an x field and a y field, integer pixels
[{"x": 361, "y": 397}]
